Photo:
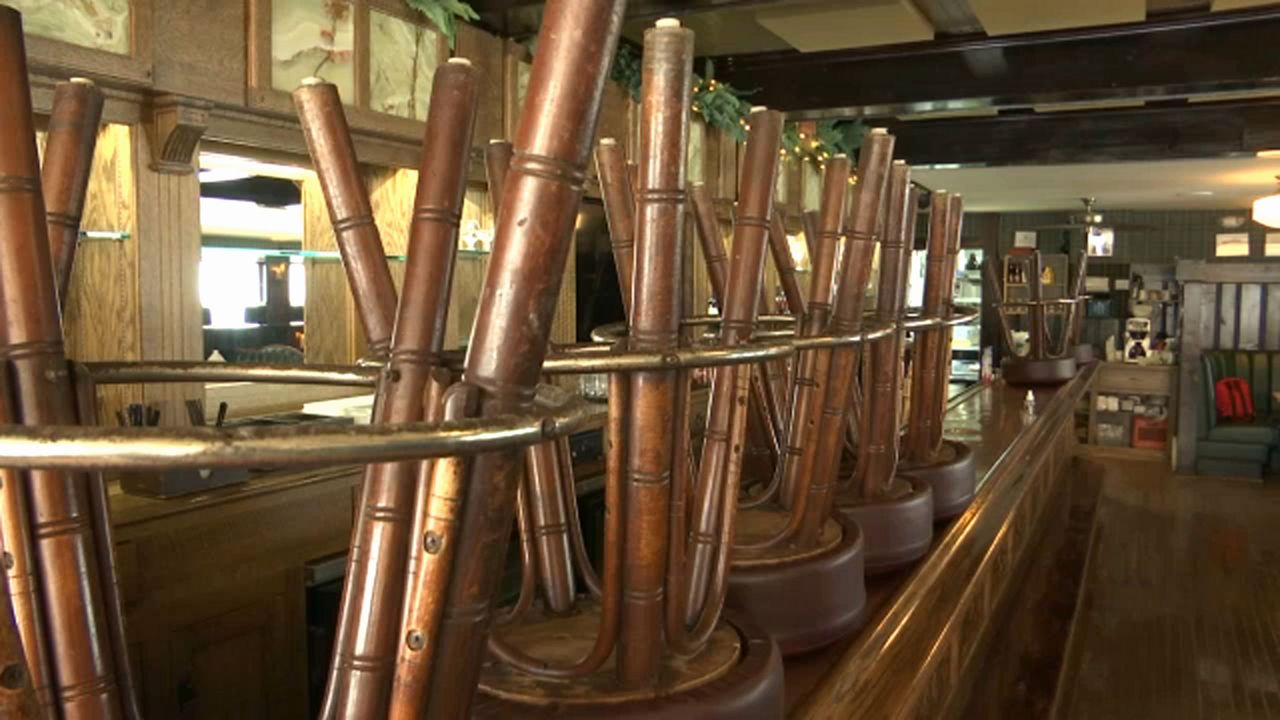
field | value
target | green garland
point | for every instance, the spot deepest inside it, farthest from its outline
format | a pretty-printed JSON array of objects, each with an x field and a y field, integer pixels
[
  {"x": 824, "y": 139},
  {"x": 723, "y": 107},
  {"x": 445, "y": 14}
]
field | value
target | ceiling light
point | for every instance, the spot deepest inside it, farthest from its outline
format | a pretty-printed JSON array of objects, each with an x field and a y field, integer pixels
[
  {"x": 1269, "y": 154},
  {"x": 1266, "y": 210}
]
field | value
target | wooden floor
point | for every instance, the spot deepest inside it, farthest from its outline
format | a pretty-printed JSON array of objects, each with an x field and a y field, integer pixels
[{"x": 1180, "y": 607}]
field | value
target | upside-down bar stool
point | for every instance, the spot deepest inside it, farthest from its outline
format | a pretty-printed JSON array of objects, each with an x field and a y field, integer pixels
[
  {"x": 789, "y": 544},
  {"x": 947, "y": 466},
  {"x": 894, "y": 512},
  {"x": 649, "y": 640},
  {"x": 1047, "y": 360}
]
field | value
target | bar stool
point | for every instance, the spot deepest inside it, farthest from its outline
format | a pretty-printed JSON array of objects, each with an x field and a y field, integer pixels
[
  {"x": 1049, "y": 357},
  {"x": 945, "y": 465}
]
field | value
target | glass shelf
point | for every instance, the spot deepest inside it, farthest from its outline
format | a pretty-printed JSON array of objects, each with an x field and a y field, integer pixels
[{"x": 117, "y": 235}]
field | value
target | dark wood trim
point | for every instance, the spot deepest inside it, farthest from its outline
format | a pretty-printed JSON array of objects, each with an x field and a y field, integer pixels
[
  {"x": 1157, "y": 59},
  {"x": 360, "y": 59},
  {"x": 1161, "y": 132}
]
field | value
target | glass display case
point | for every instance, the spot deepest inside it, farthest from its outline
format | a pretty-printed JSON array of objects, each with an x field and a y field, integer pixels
[{"x": 966, "y": 340}]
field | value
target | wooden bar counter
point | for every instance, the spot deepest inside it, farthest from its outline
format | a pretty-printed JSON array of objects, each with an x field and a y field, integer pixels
[
  {"x": 214, "y": 590},
  {"x": 214, "y": 584},
  {"x": 915, "y": 656}
]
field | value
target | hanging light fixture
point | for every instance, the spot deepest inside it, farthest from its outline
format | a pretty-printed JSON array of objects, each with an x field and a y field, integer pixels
[{"x": 1266, "y": 210}]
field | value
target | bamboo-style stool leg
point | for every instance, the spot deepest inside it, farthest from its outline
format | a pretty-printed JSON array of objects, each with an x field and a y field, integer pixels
[
  {"x": 947, "y": 466},
  {"x": 894, "y": 511}
]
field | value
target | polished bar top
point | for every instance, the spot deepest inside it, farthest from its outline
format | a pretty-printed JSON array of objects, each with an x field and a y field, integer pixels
[
  {"x": 990, "y": 419},
  {"x": 127, "y": 508}
]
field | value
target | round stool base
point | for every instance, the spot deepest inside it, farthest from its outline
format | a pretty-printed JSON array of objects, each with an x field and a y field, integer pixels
[
  {"x": 953, "y": 479},
  {"x": 831, "y": 585},
  {"x": 751, "y": 689},
  {"x": 1054, "y": 371},
  {"x": 1084, "y": 354},
  {"x": 897, "y": 531}
]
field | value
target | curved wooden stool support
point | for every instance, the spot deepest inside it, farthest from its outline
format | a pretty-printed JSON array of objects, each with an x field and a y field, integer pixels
[
  {"x": 897, "y": 530},
  {"x": 738, "y": 675},
  {"x": 830, "y": 583},
  {"x": 953, "y": 479},
  {"x": 1048, "y": 371}
]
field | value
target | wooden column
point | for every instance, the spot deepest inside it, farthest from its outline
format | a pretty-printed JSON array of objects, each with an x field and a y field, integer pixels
[{"x": 168, "y": 246}]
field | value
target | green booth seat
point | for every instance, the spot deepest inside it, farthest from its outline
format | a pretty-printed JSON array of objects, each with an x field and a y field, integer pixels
[{"x": 1232, "y": 448}]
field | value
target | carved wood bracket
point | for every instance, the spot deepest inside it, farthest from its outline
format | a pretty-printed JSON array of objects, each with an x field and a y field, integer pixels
[{"x": 176, "y": 124}]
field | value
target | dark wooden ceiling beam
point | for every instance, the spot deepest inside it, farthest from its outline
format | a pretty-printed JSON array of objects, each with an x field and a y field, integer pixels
[
  {"x": 1165, "y": 58},
  {"x": 638, "y": 9},
  {"x": 1163, "y": 132}
]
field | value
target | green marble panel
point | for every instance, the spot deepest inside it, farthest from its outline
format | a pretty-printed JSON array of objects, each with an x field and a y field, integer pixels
[
  {"x": 313, "y": 38},
  {"x": 97, "y": 24},
  {"x": 403, "y": 57}
]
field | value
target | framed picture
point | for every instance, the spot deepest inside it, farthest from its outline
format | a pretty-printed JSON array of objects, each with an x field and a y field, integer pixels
[
  {"x": 1231, "y": 245},
  {"x": 1101, "y": 241}
]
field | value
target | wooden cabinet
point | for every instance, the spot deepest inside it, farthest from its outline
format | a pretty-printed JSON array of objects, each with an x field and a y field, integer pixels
[
  {"x": 214, "y": 595},
  {"x": 1136, "y": 387},
  {"x": 243, "y": 663}
]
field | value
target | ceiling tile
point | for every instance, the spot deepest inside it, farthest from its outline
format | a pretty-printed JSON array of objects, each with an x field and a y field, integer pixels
[
  {"x": 853, "y": 24},
  {"x": 1009, "y": 17},
  {"x": 1219, "y": 5},
  {"x": 1227, "y": 183}
]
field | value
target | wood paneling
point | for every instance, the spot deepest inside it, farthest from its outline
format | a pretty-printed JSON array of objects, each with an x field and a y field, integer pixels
[
  {"x": 200, "y": 49},
  {"x": 469, "y": 271},
  {"x": 101, "y": 316},
  {"x": 513, "y": 55},
  {"x": 214, "y": 591},
  {"x": 391, "y": 194},
  {"x": 333, "y": 333},
  {"x": 485, "y": 51},
  {"x": 329, "y": 313},
  {"x": 168, "y": 275},
  {"x": 614, "y": 117}
]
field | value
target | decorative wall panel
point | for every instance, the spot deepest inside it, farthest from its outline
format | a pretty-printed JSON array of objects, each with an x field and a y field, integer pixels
[
  {"x": 97, "y": 24},
  {"x": 402, "y": 62},
  {"x": 313, "y": 38}
]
